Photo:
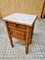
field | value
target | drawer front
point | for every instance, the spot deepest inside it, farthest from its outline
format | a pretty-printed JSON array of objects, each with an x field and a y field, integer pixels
[
  {"x": 18, "y": 34},
  {"x": 11, "y": 24},
  {"x": 21, "y": 26}
]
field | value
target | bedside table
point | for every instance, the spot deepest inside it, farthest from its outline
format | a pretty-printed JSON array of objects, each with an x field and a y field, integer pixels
[{"x": 20, "y": 26}]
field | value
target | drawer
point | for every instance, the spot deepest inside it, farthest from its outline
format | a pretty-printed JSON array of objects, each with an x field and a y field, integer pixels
[
  {"x": 11, "y": 24},
  {"x": 17, "y": 26},
  {"x": 21, "y": 26},
  {"x": 18, "y": 34}
]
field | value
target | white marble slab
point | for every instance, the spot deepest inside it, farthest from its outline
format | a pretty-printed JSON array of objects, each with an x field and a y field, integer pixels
[{"x": 27, "y": 19}]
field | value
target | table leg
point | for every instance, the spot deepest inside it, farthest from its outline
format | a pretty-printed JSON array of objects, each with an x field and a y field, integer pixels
[
  {"x": 32, "y": 32},
  {"x": 9, "y": 33},
  {"x": 27, "y": 40},
  {"x": 11, "y": 41}
]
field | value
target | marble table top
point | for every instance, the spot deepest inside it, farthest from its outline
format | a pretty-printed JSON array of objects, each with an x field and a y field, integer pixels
[{"x": 22, "y": 18}]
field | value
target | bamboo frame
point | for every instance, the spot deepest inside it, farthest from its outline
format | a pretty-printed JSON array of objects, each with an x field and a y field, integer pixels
[{"x": 24, "y": 33}]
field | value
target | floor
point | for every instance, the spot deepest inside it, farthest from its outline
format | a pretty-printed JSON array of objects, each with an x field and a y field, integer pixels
[{"x": 36, "y": 49}]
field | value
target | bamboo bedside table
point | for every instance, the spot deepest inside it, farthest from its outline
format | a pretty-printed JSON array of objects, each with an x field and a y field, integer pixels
[{"x": 21, "y": 26}]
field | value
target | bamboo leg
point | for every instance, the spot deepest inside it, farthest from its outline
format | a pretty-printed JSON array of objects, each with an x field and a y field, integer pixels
[
  {"x": 9, "y": 33},
  {"x": 32, "y": 32},
  {"x": 30, "y": 38},
  {"x": 11, "y": 41},
  {"x": 27, "y": 40}
]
